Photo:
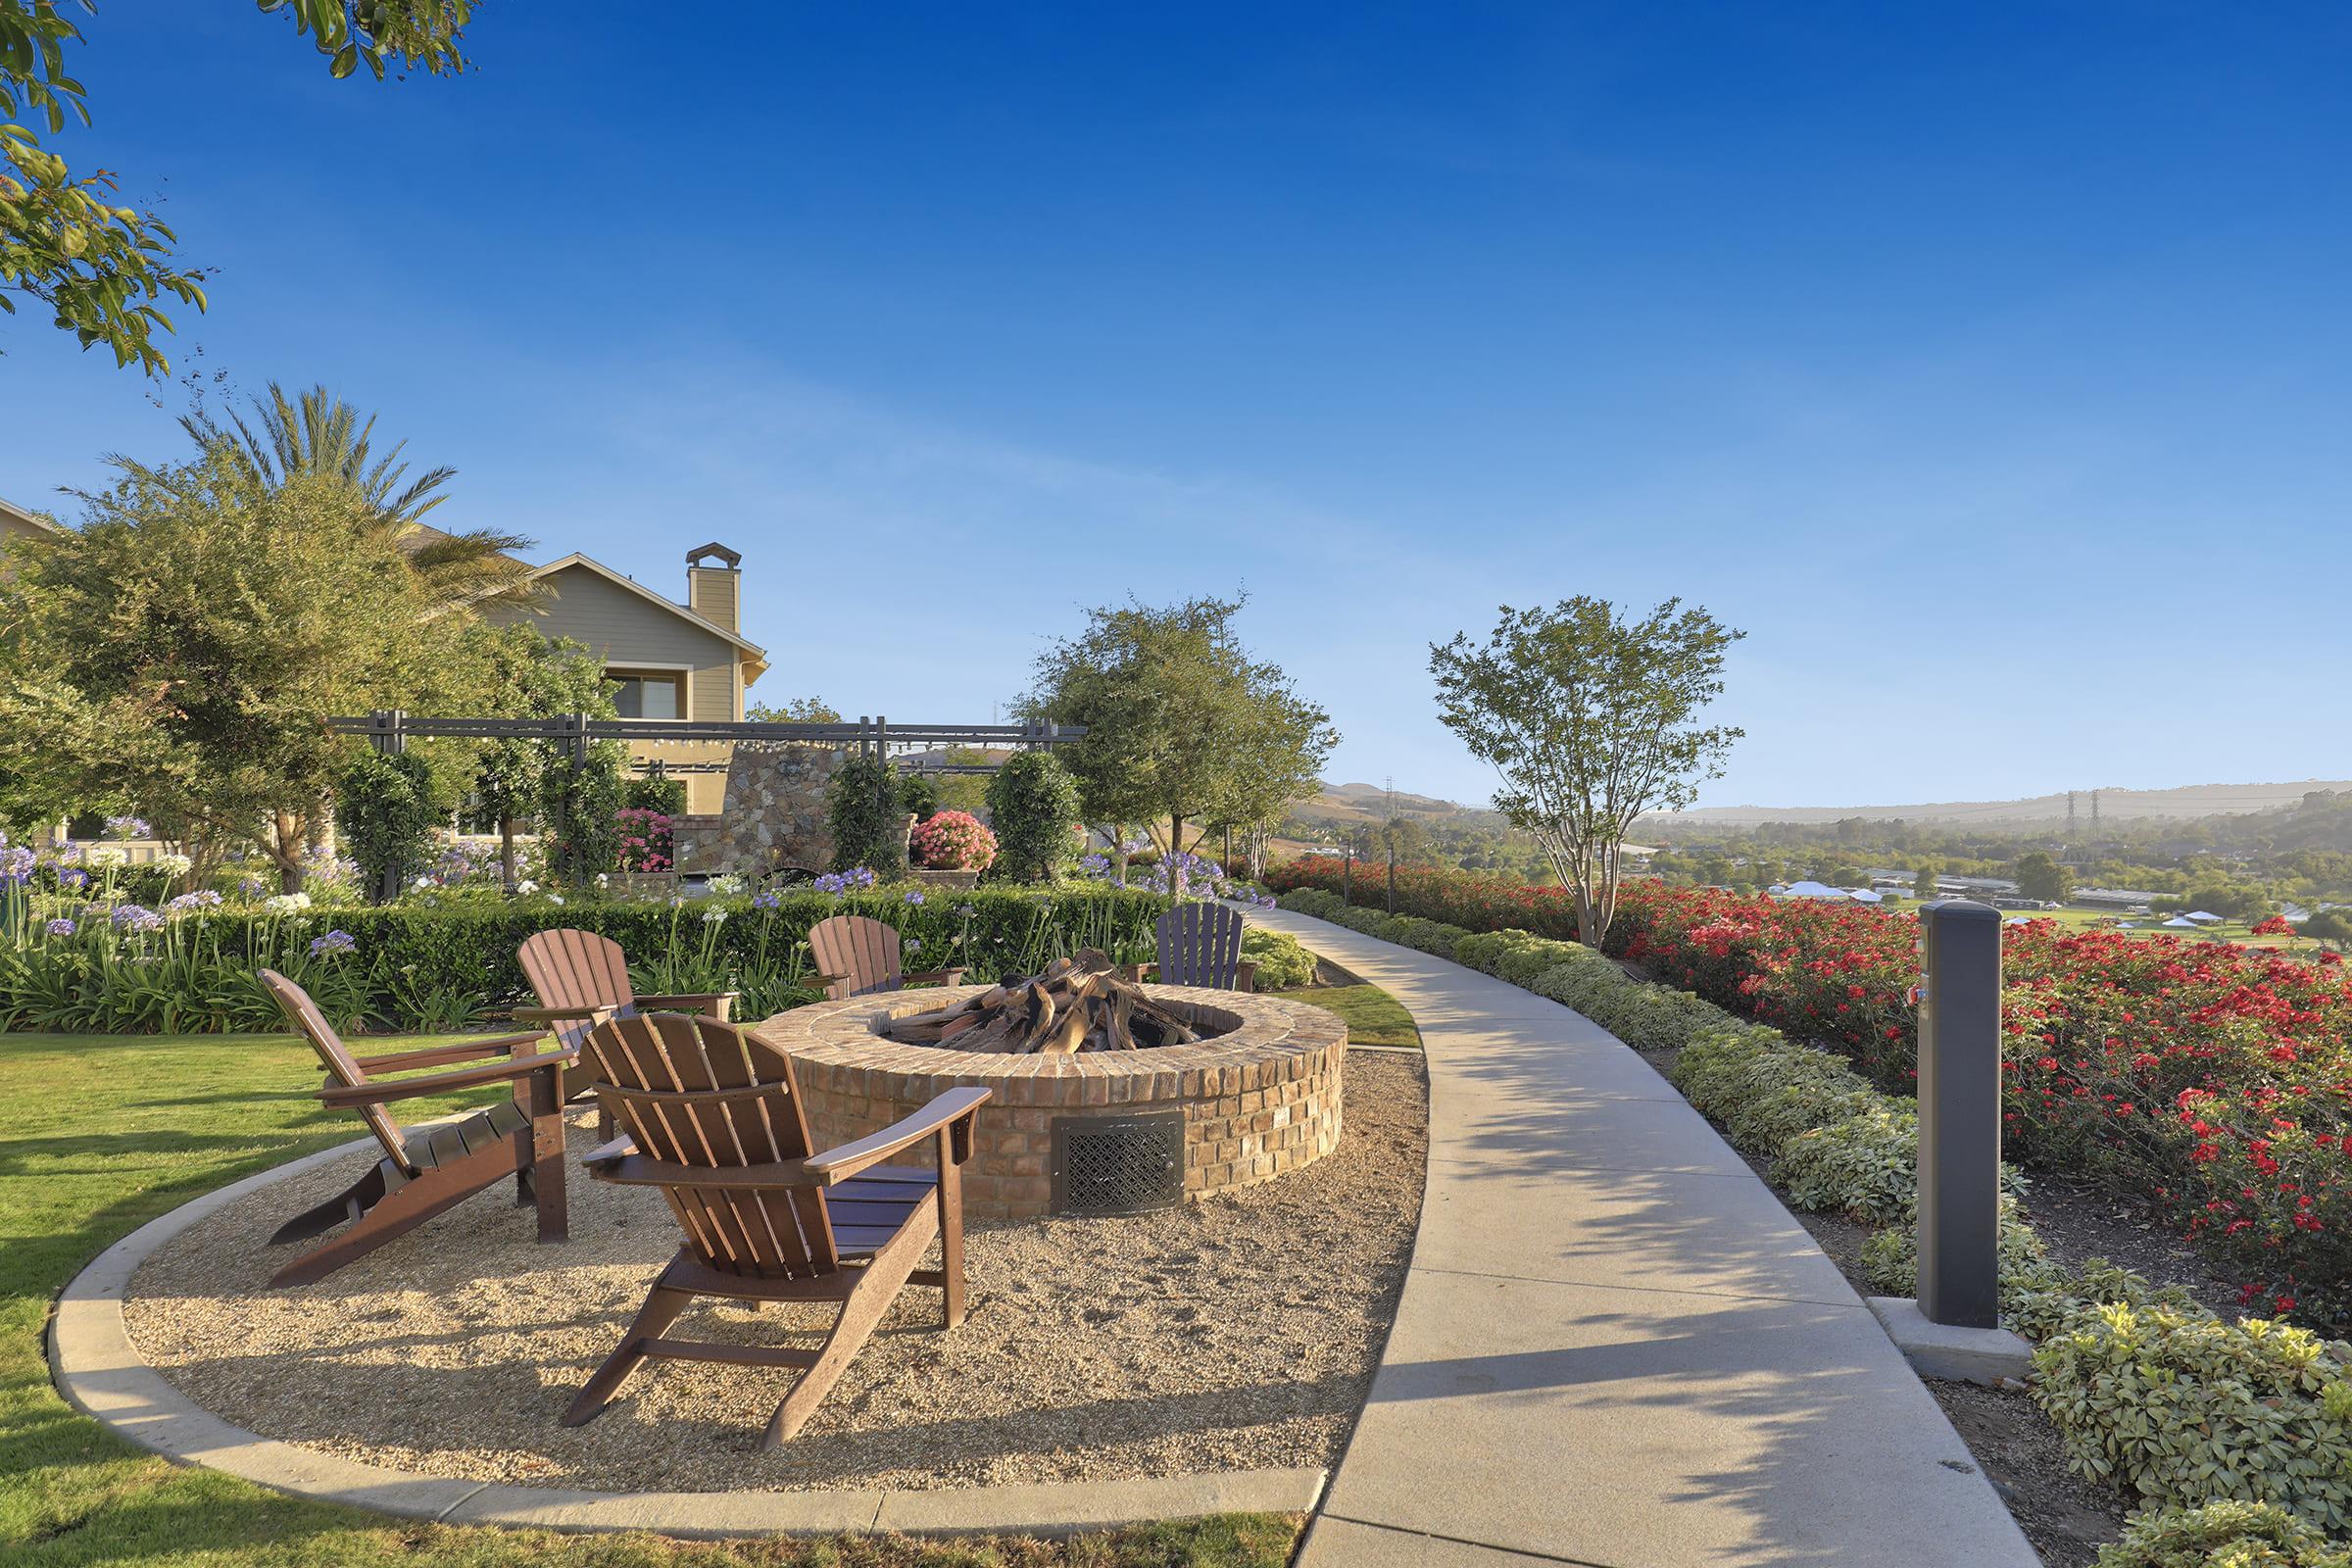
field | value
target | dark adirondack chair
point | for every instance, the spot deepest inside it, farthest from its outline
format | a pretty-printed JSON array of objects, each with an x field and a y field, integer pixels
[
  {"x": 711, "y": 1117},
  {"x": 858, "y": 955},
  {"x": 1200, "y": 945},
  {"x": 581, "y": 979},
  {"x": 427, "y": 1169}
]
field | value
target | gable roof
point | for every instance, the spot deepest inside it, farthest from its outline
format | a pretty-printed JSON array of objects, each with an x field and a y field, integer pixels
[
  {"x": 754, "y": 656},
  {"x": 17, "y": 514}
]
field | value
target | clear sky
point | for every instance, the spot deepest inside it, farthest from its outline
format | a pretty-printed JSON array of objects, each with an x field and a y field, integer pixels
[{"x": 1987, "y": 362}]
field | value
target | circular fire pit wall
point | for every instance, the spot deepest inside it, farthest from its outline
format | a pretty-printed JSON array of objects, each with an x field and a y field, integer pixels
[{"x": 1099, "y": 1132}]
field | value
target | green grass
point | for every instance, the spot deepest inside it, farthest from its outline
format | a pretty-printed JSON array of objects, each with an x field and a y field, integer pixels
[
  {"x": 1373, "y": 1016},
  {"x": 104, "y": 1133}
]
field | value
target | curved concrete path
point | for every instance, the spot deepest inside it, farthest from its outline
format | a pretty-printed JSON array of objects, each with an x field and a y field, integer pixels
[{"x": 1615, "y": 1347}]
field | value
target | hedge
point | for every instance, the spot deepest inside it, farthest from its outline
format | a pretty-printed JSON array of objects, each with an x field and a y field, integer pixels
[{"x": 438, "y": 965}]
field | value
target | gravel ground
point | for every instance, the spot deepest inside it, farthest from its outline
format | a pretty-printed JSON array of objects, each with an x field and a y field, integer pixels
[{"x": 1230, "y": 1334}]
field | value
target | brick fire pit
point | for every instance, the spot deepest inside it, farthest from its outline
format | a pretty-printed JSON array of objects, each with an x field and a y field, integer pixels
[{"x": 1102, "y": 1132}]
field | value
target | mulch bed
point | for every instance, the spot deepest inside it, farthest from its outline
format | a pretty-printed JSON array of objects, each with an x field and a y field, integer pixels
[{"x": 1234, "y": 1333}]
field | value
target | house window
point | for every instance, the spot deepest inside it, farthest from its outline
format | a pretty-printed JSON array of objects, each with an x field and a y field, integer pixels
[{"x": 647, "y": 696}]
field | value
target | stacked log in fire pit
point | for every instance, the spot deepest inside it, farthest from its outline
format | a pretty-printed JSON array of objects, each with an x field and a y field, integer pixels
[{"x": 1075, "y": 1005}]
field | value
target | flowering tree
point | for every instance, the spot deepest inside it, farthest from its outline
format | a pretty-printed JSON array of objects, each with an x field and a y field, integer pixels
[
  {"x": 1590, "y": 719},
  {"x": 955, "y": 841}
]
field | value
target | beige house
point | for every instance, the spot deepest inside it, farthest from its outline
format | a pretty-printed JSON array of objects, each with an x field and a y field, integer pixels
[
  {"x": 673, "y": 661},
  {"x": 19, "y": 527}
]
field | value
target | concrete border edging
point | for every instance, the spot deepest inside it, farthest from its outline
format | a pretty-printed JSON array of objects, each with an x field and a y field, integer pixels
[{"x": 102, "y": 1375}]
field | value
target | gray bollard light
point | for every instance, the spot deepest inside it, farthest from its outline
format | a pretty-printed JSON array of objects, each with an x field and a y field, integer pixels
[{"x": 1960, "y": 1114}]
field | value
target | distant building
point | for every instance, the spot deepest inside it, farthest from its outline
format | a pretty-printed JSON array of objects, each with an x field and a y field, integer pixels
[{"x": 2113, "y": 898}]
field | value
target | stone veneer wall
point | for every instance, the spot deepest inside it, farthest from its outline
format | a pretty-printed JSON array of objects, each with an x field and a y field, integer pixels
[
  {"x": 774, "y": 814},
  {"x": 1259, "y": 1102}
]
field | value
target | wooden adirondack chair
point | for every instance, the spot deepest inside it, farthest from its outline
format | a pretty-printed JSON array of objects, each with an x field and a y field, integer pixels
[
  {"x": 429, "y": 1169},
  {"x": 711, "y": 1117},
  {"x": 581, "y": 979},
  {"x": 858, "y": 955},
  {"x": 1200, "y": 945}
]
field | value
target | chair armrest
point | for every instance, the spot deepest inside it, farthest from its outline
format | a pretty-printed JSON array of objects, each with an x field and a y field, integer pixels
[
  {"x": 840, "y": 1165},
  {"x": 717, "y": 1004},
  {"x": 1244, "y": 975},
  {"x": 438, "y": 1083},
  {"x": 435, "y": 1056},
  {"x": 616, "y": 1148},
  {"x": 1134, "y": 973},
  {"x": 935, "y": 977},
  {"x": 640, "y": 1170},
  {"x": 593, "y": 1010}
]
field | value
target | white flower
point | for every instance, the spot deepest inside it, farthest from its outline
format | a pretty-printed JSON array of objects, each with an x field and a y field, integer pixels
[
  {"x": 106, "y": 855},
  {"x": 556, "y": 899},
  {"x": 603, "y": 879},
  {"x": 527, "y": 886},
  {"x": 286, "y": 903},
  {"x": 177, "y": 865},
  {"x": 713, "y": 916},
  {"x": 424, "y": 881}
]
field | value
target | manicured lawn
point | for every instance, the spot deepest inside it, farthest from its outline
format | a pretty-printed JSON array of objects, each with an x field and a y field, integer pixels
[
  {"x": 104, "y": 1133},
  {"x": 1374, "y": 1017}
]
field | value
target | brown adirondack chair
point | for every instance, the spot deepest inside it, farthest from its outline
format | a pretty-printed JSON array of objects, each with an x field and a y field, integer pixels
[
  {"x": 429, "y": 1169},
  {"x": 713, "y": 1117},
  {"x": 581, "y": 979},
  {"x": 858, "y": 955},
  {"x": 1199, "y": 945}
]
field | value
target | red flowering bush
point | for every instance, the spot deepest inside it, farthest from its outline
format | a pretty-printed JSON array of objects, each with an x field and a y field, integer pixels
[
  {"x": 646, "y": 843},
  {"x": 2277, "y": 925},
  {"x": 953, "y": 841},
  {"x": 2216, "y": 1077}
]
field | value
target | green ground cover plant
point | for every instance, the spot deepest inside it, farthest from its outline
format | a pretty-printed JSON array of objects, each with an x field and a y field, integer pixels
[
  {"x": 106, "y": 1131},
  {"x": 1373, "y": 1016}
]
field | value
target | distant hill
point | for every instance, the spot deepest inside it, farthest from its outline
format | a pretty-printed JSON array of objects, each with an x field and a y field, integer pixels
[
  {"x": 1342, "y": 804},
  {"x": 2115, "y": 806}
]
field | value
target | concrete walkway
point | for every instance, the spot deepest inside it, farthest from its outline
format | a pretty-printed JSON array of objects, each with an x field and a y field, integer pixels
[{"x": 1616, "y": 1346}]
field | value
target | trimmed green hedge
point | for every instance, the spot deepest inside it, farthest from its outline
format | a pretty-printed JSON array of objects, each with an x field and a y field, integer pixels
[{"x": 414, "y": 966}]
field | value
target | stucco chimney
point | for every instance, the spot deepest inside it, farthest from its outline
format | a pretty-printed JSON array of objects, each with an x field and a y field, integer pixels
[{"x": 714, "y": 592}]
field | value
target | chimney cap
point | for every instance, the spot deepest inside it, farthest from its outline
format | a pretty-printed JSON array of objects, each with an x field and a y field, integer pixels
[{"x": 733, "y": 558}]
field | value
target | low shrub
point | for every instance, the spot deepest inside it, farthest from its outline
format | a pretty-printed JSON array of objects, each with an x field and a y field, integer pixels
[
  {"x": 1282, "y": 963},
  {"x": 1866, "y": 1166},
  {"x": 1891, "y": 1262},
  {"x": 2182, "y": 1408},
  {"x": 1033, "y": 804},
  {"x": 2222, "y": 1534}
]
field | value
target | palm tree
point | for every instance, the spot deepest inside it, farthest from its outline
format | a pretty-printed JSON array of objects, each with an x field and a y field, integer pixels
[{"x": 320, "y": 434}]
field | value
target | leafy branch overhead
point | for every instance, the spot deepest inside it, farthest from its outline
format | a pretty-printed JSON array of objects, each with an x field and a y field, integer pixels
[
  {"x": 106, "y": 271},
  {"x": 1592, "y": 720}
]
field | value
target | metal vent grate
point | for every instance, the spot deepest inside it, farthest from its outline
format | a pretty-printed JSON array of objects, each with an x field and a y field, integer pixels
[{"x": 1118, "y": 1164}]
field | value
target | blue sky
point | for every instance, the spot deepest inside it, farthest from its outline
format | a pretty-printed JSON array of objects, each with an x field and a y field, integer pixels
[{"x": 1986, "y": 364}]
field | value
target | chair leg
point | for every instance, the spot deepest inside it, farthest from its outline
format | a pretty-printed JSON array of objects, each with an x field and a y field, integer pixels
[
  {"x": 543, "y": 1151},
  {"x": 663, "y": 1305},
  {"x": 348, "y": 1204},
  {"x": 399, "y": 1213},
  {"x": 878, "y": 1285},
  {"x": 950, "y": 1197}
]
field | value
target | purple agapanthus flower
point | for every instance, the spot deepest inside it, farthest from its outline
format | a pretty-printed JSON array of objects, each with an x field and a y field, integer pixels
[
  {"x": 72, "y": 876},
  {"x": 17, "y": 864},
  {"x": 331, "y": 944},
  {"x": 60, "y": 927},
  {"x": 131, "y": 917},
  {"x": 766, "y": 901},
  {"x": 187, "y": 902},
  {"x": 831, "y": 882},
  {"x": 914, "y": 944},
  {"x": 914, "y": 895}
]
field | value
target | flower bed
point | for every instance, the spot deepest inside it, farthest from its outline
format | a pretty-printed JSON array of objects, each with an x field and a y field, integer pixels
[
  {"x": 2230, "y": 1433},
  {"x": 2216, "y": 1077}
]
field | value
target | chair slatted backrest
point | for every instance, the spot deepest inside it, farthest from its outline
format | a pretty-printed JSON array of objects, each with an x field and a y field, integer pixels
[
  {"x": 569, "y": 968},
  {"x": 695, "y": 1092},
  {"x": 303, "y": 1014},
  {"x": 1200, "y": 945},
  {"x": 858, "y": 946}
]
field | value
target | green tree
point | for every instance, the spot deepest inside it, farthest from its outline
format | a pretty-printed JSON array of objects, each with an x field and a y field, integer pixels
[
  {"x": 2039, "y": 876},
  {"x": 529, "y": 676},
  {"x": 866, "y": 820},
  {"x": 2332, "y": 927},
  {"x": 1923, "y": 883},
  {"x": 182, "y": 649},
  {"x": 100, "y": 268},
  {"x": 1590, "y": 719},
  {"x": 386, "y": 809},
  {"x": 1033, "y": 809},
  {"x": 1177, "y": 716},
  {"x": 317, "y": 435},
  {"x": 794, "y": 710}
]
